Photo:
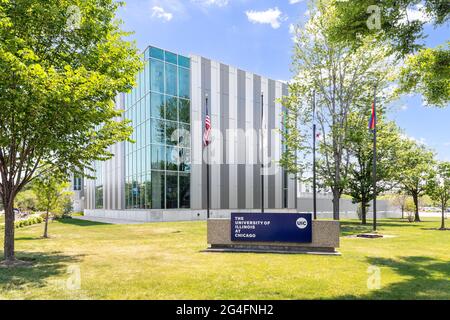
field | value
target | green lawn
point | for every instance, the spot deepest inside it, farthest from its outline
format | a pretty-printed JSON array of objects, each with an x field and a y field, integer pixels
[{"x": 163, "y": 261}]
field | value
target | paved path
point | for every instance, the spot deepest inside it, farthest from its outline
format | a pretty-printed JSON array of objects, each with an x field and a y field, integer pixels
[{"x": 107, "y": 220}]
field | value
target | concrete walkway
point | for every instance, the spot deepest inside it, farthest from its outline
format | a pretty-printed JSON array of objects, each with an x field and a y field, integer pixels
[{"x": 107, "y": 220}]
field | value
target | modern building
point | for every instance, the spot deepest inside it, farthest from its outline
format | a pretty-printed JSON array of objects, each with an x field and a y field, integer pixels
[{"x": 162, "y": 175}]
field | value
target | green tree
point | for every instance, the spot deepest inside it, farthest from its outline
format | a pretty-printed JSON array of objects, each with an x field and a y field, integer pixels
[
  {"x": 343, "y": 80},
  {"x": 439, "y": 188},
  {"x": 62, "y": 63},
  {"x": 26, "y": 200},
  {"x": 416, "y": 163},
  {"x": 401, "y": 23},
  {"x": 360, "y": 147},
  {"x": 49, "y": 189},
  {"x": 427, "y": 73}
]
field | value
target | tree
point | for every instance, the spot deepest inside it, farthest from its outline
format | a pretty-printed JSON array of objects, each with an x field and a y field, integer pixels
[
  {"x": 360, "y": 147},
  {"x": 49, "y": 189},
  {"x": 343, "y": 80},
  {"x": 401, "y": 23},
  {"x": 439, "y": 188},
  {"x": 427, "y": 73},
  {"x": 400, "y": 200},
  {"x": 62, "y": 63},
  {"x": 26, "y": 200},
  {"x": 416, "y": 163}
]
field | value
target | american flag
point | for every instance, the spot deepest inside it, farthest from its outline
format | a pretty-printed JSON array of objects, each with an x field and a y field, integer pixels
[{"x": 207, "y": 132}]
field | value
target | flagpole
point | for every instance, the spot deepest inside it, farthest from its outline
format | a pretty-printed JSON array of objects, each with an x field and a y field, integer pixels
[
  {"x": 314, "y": 158},
  {"x": 262, "y": 152},
  {"x": 207, "y": 172},
  {"x": 375, "y": 159}
]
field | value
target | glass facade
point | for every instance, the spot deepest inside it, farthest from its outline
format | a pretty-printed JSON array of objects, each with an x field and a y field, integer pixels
[{"x": 158, "y": 163}]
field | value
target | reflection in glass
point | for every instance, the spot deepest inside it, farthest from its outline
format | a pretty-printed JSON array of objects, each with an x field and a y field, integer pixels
[
  {"x": 157, "y": 76},
  {"x": 158, "y": 157},
  {"x": 171, "y": 79},
  {"x": 171, "y": 190},
  {"x": 185, "y": 191},
  {"x": 157, "y": 105},
  {"x": 184, "y": 83},
  {"x": 158, "y": 131},
  {"x": 185, "y": 111},
  {"x": 172, "y": 158},
  {"x": 171, "y": 108},
  {"x": 171, "y": 133},
  {"x": 158, "y": 188}
]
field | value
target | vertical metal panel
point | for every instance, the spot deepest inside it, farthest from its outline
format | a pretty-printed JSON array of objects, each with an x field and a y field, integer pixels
[
  {"x": 231, "y": 139},
  {"x": 278, "y": 148},
  {"x": 257, "y": 127},
  {"x": 216, "y": 141},
  {"x": 224, "y": 126},
  {"x": 271, "y": 139},
  {"x": 250, "y": 140},
  {"x": 197, "y": 101},
  {"x": 206, "y": 89},
  {"x": 241, "y": 143}
]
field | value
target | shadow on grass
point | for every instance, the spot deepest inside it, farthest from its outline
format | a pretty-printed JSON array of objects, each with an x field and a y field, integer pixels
[
  {"x": 426, "y": 278},
  {"x": 82, "y": 223},
  {"x": 44, "y": 266},
  {"x": 349, "y": 228}
]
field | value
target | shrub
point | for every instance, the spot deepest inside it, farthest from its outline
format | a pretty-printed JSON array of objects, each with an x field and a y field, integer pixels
[{"x": 35, "y": 219}]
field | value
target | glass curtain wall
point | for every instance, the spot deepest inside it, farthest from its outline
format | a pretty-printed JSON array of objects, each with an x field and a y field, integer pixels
[{"x": 158, "y": 163}]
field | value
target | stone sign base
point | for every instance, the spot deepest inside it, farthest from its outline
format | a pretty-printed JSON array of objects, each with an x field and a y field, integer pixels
[{"x": 325, "y": 240}]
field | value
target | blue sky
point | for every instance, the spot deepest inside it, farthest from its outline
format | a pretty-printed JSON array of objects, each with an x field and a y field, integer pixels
[{"x": 254, "y": 35}]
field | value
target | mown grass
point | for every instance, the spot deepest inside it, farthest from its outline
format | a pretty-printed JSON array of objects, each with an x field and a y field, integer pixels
[{"x": 164, "y": 261}]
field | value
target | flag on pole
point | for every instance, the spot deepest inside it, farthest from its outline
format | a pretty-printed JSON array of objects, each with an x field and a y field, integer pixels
[
  {"x": 207, "y": 132},
  {"x": 373, "y": 118}
]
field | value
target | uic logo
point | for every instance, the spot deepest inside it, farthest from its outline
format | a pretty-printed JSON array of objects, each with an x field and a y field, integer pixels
[{"x": 301, "y": 223}]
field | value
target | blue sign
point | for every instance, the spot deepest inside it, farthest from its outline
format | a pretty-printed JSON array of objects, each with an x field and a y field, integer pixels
[{"x": 271, "y": 227}]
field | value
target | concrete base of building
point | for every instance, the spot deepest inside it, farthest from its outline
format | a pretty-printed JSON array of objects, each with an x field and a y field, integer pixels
[{"x": 169, "y": 215}]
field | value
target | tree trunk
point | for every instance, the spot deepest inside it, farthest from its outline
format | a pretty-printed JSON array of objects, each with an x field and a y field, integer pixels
[
  {"x": 416, "y": 204},
  {"x": 403, "y": 212},
  {"x": 46, "y": 226},
  {"x": 363, "y": 213},
  {"x": 9, "y": 232},
  {"x": 336, "y": 197},
  {"x": 443, "y": 219}
]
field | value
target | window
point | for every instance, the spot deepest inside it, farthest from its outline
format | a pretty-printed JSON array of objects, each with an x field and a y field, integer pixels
[
  {"x": 77, "y": 183},
  {"x": 185, "y": 110},
  {"x": 158, "y": 188},
  {"x": 171, "y": 57},
  {"x": 158, "y": 157},
  {"x": 157, "y": 106},
  {"x": 172, "y": 158},
  {"x": 158, "y": 131},
  {"x": 156, "y": 53},
  {"x": 171, "y": 108},
  {"x": 171, "y": 190},
  {"x": 184, "y": 83},
  {"x": 157, "y": 76},
  {"x": 171, "y": 133},
  {"x": 185, "y": 191},
  {"x": 171, "y": 79},
  {"x": 158, "y": 165}
]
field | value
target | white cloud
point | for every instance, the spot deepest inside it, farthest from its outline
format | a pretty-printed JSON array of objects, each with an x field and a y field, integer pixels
[
  {"x": 295, "y": 1},
  {"x": 207, "y": 3},
  {"x": 271, "y": 16},
  {"x": 160, "y": 13},
  {"x": 403, "y": 107}
]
